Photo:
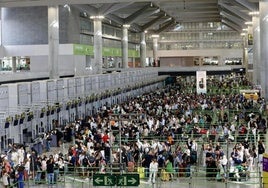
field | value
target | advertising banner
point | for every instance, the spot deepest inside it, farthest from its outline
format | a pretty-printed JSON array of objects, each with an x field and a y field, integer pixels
[{"x": 201, "y": 82}]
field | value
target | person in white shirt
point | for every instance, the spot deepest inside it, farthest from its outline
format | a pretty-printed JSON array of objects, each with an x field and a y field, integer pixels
[{"x": 153, "y": 169}]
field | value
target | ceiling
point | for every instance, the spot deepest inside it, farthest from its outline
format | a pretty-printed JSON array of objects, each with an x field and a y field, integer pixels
[{"x": 157, "y": 16}]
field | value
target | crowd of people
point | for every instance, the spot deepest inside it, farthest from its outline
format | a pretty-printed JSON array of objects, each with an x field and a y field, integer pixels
[{"x": 163, "y": 132}]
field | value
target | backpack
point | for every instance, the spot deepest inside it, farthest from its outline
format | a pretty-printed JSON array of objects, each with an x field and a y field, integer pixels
[
  {"x": 85, "y": 161},
  {"x": 91, "y": 159}
]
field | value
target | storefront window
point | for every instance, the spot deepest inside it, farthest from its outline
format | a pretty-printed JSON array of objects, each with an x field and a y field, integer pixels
[{"x": 22, "y": 63}]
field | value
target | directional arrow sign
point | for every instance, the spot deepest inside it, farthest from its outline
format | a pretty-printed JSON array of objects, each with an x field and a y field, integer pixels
[
  {"x": 128, "y": 180},
  {"x": 104, "y": 180}
]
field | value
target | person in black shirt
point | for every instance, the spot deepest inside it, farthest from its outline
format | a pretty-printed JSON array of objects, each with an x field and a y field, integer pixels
[{"x": 50, "y": 170}]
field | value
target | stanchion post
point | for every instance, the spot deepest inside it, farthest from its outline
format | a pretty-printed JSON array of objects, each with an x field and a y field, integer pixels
[
  {"x": 190, "y": 182},
  {"x": 260, "y": 178}
]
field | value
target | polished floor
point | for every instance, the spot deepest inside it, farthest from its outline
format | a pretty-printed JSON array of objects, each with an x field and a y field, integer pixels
[{"x": 182, "y": 183}]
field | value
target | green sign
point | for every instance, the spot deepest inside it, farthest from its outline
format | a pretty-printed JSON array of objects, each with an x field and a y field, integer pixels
[
  {"x": 128, "y": 180},
  {"x": 119, "y": 180},
  {"x": 104, "y": 180},
  {"x": 81, "y": 49}
]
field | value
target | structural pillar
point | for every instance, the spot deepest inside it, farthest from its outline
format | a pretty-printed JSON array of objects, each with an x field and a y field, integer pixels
[
  {"x": 14, "y": 64},
  {"x": 143, "y": 49},
  {"x": 53, "y": 41},
  {"x": 256, "y": 49},
  {"x": 263, "y": 47},
  {"x": 125, "y": 46},
  {"x": 245, "y": 54},
  {"x": 155, "y": 48},
  {"x": 1, "y": 30},
  {"x": 116, "y": 62},
  {"x": 97, "y": 68},
  {"x": 133, "y": 62}
]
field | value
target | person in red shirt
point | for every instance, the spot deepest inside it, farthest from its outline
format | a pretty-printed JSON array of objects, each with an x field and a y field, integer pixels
[{"x": 105, "y": 137}]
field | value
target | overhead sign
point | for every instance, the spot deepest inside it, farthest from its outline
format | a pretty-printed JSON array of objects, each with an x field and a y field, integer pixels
[
  {"x": 119, "y": 180},
  {"x": 104, "y": 180},
  {"x": 128, "y": 180}
]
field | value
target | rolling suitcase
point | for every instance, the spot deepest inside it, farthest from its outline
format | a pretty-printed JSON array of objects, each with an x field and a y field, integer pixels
[
  {"x": 164, "y": 175},
  {"x": 141, "y": 172}
]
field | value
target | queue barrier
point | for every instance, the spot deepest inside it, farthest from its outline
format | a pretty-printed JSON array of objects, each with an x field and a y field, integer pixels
[{"x": 192, "y": 179}]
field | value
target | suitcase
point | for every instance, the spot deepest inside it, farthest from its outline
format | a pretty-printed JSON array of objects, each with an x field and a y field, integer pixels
[
  {"x": 181, "y": 170},
  {"x": 141, "y": 172},
  {"x": 130, "y": 166},
  {"x": 221, "y": 139},
  {"x": 164, "y": 175}
]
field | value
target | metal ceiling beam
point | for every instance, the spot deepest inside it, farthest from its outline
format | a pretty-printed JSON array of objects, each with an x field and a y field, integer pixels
[
  {"x": 104, "y": 8},
  {"x": 231, "y": 21},
  {"x": 31, "y": 3},
  {"x": 250, "y": 6},
  {"x": 136, "y": 27},
  {"x": 152, "y": 22},
  {"x": 145, "y": 15},
  {"x": 115, "y": 18},
  {"x": 92, "y": 11},
  {"x": 231, "y": 25},
  {"x": 235, "y": 11},
  {"x": 235, "y": 19},
  {"x": 200, "y": 11},
  {"x": 186, "y": 15},
  {"x": 166, "y": 26},
  {"x": 116, "y": 7},
  {"x": 186, "y": 6},
  {"x": 218, "y": 19},
  {"x": 134, "y": 16}
]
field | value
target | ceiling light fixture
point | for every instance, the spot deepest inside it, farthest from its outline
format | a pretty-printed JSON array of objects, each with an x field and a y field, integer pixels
[
  {"x": 254, "y": 13},
  {"x": 126, "y": 25},
  {"x": 97, "y": 17},
  {"x": 155, "y": 36}
]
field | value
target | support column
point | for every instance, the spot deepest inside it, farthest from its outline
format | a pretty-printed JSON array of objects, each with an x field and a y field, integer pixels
[
  {"x": 143, "y": 50},
  {"x": 155, "y": 48},
  {"x": 53, "y": 41},
  {"x": 245, "y": 54},
  {"x": 125, "y": 46},
  {"x": 14, "y": 67},
  {"x": 256, "y": 49},
  {"x": 116, "y": 63},
  {"x": 263, "y": 47},
  {"x": 97, "y": 68},
  {"x": 1, "y": 30},
  {"x": 133, "y": 62},
  {"x": 105, "y": 62},
  {"x": 201, "y": 38}
]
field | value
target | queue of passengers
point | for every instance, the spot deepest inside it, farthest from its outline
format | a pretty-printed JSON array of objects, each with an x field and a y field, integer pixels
[{"x": 166, "y": 125}]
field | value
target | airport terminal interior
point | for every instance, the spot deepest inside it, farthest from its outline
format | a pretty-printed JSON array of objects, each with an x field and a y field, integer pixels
[{"x": 122, "y": 93}]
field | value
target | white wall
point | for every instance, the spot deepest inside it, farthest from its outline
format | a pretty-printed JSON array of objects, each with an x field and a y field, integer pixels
[
  {"x": 66, "y": 64},
  {"x": 39, "y": 63},
  {"x": 25, "y": 50}
]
